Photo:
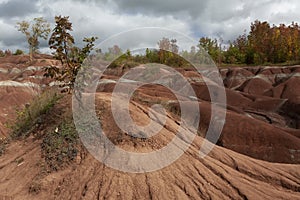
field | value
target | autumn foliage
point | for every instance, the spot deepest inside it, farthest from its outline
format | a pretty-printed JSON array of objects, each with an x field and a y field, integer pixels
[
  {"x": 265, "y": 44},
  {"x": 70, "y": 56}
]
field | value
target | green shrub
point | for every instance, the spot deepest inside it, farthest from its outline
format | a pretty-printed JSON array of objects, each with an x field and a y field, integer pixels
[
  {"x": 32, "y": 113},
  {"x": 60, "y": 146},
  {"x": 3, "y": 143},
  {"x": 2, "y": 54},
  {"x": 19, "y": 52}
]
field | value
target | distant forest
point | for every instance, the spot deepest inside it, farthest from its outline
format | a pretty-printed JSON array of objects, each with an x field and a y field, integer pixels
[{"x": 263, "y": 45}]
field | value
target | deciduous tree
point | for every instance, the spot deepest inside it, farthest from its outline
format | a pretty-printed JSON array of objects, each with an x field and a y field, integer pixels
[
  {"x": 39, "y": 28},
  {"x": 71, "y": 57}
]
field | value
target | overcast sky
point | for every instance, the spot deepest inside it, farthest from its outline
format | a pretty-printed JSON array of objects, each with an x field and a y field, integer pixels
[{"x": 224, "y": 19}]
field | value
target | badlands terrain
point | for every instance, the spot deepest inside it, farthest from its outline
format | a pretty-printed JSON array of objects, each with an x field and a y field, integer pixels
[{"x": 257, "y": 155}]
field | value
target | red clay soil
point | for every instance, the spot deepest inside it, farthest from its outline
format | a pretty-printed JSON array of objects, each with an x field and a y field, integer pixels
[
  {"x": 223, "y": 174},
  {"x": 257, "y": 157},
  {"x": 13, "y": 97},
  {"x": 258, "y": 125},
  {"x": 20, "y": 81}
]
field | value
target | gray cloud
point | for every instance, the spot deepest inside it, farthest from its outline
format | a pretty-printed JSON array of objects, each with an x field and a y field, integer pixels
[
  {"x": 103, "y": 18},
  {"x": 157, "y": 7},
  {"x": 17, "y": 8}
]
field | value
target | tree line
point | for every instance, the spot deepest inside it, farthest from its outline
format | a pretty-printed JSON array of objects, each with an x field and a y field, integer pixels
[{"x": 263, "y": 44}]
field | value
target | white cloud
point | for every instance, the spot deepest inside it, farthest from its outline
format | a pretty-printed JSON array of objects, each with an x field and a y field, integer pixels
[
  {"x": 103, "y": 18},
  {"x": 96, "y": 20}
]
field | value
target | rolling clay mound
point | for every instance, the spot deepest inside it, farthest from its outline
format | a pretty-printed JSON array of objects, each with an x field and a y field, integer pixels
[
  {"x": 20, "y": 82},
  {"x": 235, "y": 77},
  {"x": 13, "y": 96},
  {"x": 21, "y": 59},
  {"x": 248, "y": 132},
  {"x": 222, "y": 174},
  {"x": 256, "y": 86},
  {"x": 257, "y": 156},
  {"x": 258, "y": 125},
  {"x": 279, "y": 83},
  {"x": 289, "y": 90}
]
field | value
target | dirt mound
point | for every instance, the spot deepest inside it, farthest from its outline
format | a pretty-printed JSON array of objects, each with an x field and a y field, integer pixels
[
  {"x": 20, "y": 81},
  {"x": 223, "y": 174},
  {"x": 276, "y": 82},
  {"x": 273, "y": 99},
  {"x": 256, "y": 86},
  {"x": 260, "y": 132},
  {"x": 258, "y": 124}
]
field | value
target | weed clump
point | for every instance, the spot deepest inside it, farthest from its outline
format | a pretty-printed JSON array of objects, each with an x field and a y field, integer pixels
[
  {"x": 34, "y": 188},
  {"x": 60, "y": 146},
  {"x": 32, "y": 114},
  {"x": 3, "y": 143}
]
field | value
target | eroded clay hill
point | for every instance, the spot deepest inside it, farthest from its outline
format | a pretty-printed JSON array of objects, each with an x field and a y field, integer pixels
[
  {"x": 257, "y": 156},
  {"x": 262, "y": 115},
  {"x": 20, "y": 82},
  {"x": 223, "y": 174}
]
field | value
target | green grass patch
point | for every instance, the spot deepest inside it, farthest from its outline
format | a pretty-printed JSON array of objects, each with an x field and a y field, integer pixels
[
  {"x": 3, "y": 144},
  {"x": 32, "y": 114},
  {"x": 60, "y": 146}
]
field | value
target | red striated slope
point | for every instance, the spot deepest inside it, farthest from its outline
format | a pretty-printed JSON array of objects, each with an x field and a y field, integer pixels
[
  {"x": 261, "y": 133},
  {"x": 223, "y": 174},
  {"x": 20, "y": 82},
  {"x": 258, "y": 124}
]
